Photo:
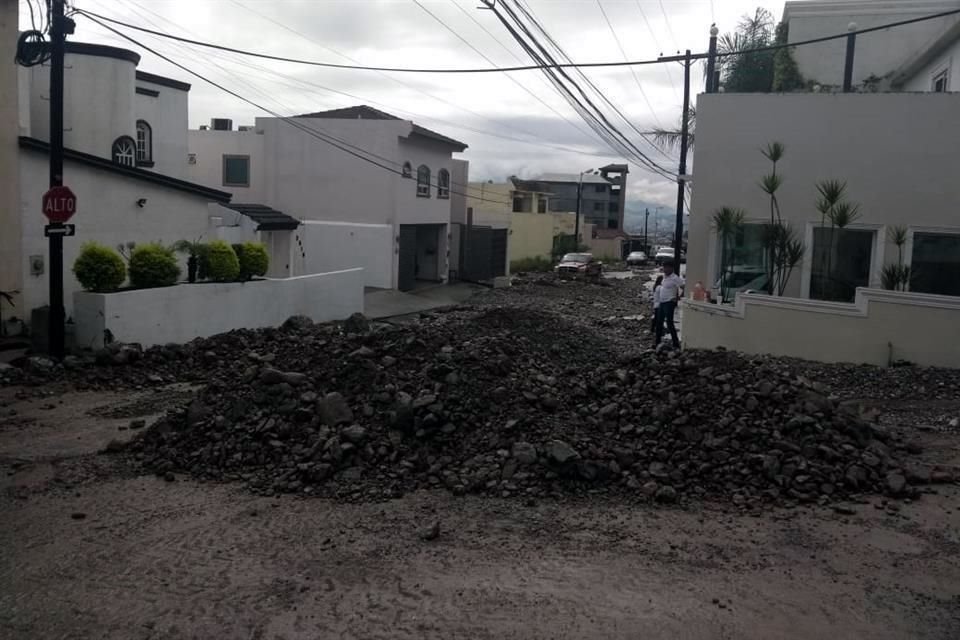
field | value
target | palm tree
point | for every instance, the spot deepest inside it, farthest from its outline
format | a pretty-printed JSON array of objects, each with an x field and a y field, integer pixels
[{"x": 669, "y": 139}]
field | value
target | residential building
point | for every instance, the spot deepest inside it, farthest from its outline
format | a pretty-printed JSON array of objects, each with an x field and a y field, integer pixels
[
  {"x": 371, "y": 189},
  {"x": 125, "y": 159},
  {"x": 600, "y": 193},
  {"x": 891, "y": 151},
  {"x": 881, "y": 56}
]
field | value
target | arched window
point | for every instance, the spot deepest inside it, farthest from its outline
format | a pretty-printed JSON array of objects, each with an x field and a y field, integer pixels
[
  {"x": 124, "y": 151},
  {"x": 407, "y": 170},
  {"x": 443, "y": 183},
  {"x": 423, "y": 181},
  {"x": 144, "y": 144}
]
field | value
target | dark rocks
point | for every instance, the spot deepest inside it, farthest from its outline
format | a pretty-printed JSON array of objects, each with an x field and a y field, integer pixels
[
  {"x": 431, "y": 532},
  {"x": 896, "y": 484},
  {"x": 525, "y": 453},
  {"x": 356, "y": 323},
  {"x": 666, "y": 494},
  {"x": 78, "y": 515},
  {"x": 334, "y": 409},
  {"x": 354, "y": 433},
  {"x": 297, "y": 323},
  {"x": 561, "y": 452}
]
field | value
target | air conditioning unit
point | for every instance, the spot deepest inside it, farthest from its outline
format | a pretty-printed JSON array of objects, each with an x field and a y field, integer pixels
[
  {"x": 221, "y": 124},
  {"x": 245, "y": 127}
]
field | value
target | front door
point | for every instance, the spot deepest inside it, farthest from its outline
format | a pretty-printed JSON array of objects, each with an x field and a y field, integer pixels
[{"x": 407, "y": 262}]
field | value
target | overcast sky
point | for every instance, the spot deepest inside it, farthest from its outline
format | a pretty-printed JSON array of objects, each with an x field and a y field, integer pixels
[{"x": 401, "y": 33}]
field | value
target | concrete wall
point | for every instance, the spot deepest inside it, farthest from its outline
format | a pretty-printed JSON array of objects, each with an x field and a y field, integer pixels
[
  {"x": 11, "y": 266},
  {"x": 889, "y": 148},
  {"x": 459, "y": 188},
  {"x": 334, "y": 246},
  {"x": 949, "y": 60},
  {"x": 878, "y": 53},
  {"x": 167, "y": 116},
  {"x": 183, "y": 312},
  {"x": 106, "y": 213},
  {"x": 207, "y": 148},
  {"x": 98, "y": 100},
  {"x": 878, "y": 328}
]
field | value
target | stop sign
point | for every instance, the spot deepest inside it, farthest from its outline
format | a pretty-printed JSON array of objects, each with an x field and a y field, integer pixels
[{"x": 59, "y": 204}]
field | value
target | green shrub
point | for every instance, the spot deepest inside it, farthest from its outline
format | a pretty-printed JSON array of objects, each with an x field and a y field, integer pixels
[
  {"x": 153, "y": 265},
  {"x": 535, "y": 264},
  {"x": 222, "y": 264},
  {"x": 99, "y": 268},
  {"x": 253, "y": 259}
]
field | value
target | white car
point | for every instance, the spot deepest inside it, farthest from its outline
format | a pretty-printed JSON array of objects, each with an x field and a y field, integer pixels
[
  {"x": 665, "y": 254},
  {"x": 636, "y": 259}
]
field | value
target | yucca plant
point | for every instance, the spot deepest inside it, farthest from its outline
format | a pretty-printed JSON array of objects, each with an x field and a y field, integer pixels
[{"x": 783, "y": 248}]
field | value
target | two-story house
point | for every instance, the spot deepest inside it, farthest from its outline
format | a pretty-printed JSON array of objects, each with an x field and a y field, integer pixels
[{"x": 371, "y": 190}]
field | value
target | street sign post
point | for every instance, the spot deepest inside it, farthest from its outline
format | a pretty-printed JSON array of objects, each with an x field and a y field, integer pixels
[{"x": 59, "y": 204}]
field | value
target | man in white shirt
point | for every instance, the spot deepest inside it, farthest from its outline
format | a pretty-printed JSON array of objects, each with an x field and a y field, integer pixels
[{"x": 670, "y": 292}]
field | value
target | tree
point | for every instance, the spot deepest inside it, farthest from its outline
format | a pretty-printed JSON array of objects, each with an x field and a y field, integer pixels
[
  {"x": 748, "y": 72},
  {"x": 669, "y": 139},
  {"x": 786, "y": 73}
]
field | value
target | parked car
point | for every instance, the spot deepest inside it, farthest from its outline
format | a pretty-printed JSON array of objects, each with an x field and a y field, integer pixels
[
  {"x": 636, "y": 259},
  {"x": 666, "y": 253},
  {"x": 579, "y": 266}
]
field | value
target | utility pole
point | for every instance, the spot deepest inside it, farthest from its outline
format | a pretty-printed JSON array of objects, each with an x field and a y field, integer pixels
[
  {"x": 60, "y": 26},
  {"x": 682, "y": 177},
  {"x": 848, "y": 63},
  {"x": 646, "y": 221},
  {"x": 712, "y": 81},
  {"x": 576, "y": 220}
]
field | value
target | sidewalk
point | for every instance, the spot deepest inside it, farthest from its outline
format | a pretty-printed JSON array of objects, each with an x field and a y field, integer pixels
[{"x": 389, "y": 303}]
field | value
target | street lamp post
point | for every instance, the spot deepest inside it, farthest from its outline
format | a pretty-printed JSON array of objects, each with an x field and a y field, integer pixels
[{"x": 576, "y": 221}]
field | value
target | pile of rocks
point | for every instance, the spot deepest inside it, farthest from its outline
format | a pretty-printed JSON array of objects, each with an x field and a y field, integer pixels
[{"x": 511, "y": 401}]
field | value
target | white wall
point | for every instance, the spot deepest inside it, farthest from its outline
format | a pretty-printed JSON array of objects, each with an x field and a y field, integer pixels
[
  {"x": 878, "y": 53},
  {"x": 890, "y": 148},
  {"x": 880, "y": 327},
  {"x": 167, "y": 116},
  {"x": 98, "y": 102},
  {"x": 333, "y": 246},
  {"x": 10, "y": 114},
  {"x": 949, "y": 60},
  {"x": 183, "y": 312},
  {"x": 210, "y": 147},
  {"x": 106, "y": 213}
]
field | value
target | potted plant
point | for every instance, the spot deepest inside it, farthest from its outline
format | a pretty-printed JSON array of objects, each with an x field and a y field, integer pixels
[{"x": 194, "y": 250}]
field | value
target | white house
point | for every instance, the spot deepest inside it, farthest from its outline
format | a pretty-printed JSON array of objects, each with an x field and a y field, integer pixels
[
  {"x": 126, "y": 158},
  {"x": 881, "y": 57},
  {"x": 372, "y": 190},
  {"x": 895, "y": 152}
]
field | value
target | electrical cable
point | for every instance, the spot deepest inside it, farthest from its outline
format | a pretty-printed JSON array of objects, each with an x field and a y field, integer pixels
[
  {"x": 669, "y": 28},
  {"x": 625, "y": 57},
  {"x": 292, "y": 121}
]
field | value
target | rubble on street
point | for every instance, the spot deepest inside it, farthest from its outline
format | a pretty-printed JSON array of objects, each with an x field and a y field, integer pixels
[{"x": 529, "y": 393}]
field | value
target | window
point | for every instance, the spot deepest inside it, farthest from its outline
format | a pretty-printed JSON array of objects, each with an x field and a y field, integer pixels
[
  {"x": 542, "y": 205},
  {"x": 612, "y": 224},
  {"x": 841, "y": 263},
  {"x": 407, "y": 170},
  {"x": 144, "y": 144},
  {"x": 423, "y": 181},
  {"x": 236, "y": 171},
  {"x": 935, "y": 267},
  {"x": 443, "y": 183},
  {"x": 613, "y": 207},
  {"x": 518, "y": 204},
  {"x": 742, "y": 262},
  {"x": 124, "y": 151},
  {"x": 940, "y": 82},
  {"x": 600, "y": 188},
  {"x": 599, "y": 207}
]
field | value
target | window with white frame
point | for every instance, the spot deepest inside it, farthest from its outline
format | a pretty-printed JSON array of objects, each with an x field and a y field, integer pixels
[
  {"x": 124, "y": 151},
  {"x": 443, "y": 183},
  {"x": 941, "y": 81},
  {"x": 741, "y": 262},
  {"x": 842, "y": 259},
  {"x": 144, "y": 144},
  {"x": 423, "y": 181},
  {"x": 935, "y": 263}
]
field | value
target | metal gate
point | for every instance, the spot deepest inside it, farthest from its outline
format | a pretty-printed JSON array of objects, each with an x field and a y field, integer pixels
[
  {"x": 483, "y": 253},
  {"x": 407, "y": 262}
]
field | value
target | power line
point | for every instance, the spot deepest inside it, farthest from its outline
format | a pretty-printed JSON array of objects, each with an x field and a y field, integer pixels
[
  {"x": 292, "y": 121},
  {"x": 669, "y": 28},
  {"x": 493, "y": 64},
  {"x": 653, "y": 35},
  {"x": 633, "y": 71}
]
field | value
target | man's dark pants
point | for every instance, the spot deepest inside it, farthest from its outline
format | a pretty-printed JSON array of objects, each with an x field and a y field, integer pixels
[{"x": 667, "y": 310}]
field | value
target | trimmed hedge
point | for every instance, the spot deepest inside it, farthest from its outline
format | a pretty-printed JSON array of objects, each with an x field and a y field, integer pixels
[
  {"x": 153, "y": 265},
  {"x": 222, "y": 264},
  {"x": 99, "y": 268},
  {"x": 253, "y": 258}
]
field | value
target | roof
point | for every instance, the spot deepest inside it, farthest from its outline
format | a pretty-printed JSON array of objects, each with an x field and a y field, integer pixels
[
  {"x": 267, "y": 219},
  {"x": 618, "y": 168},
  {"x": 364, "y": 112},
  {"x": 927, "y": 55},
  {"x": 163, "y": 81},
  {"x": 103, "y": 51},
  {"x": 572, "y": 178},
  {"x": 136, "y": 173}
]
